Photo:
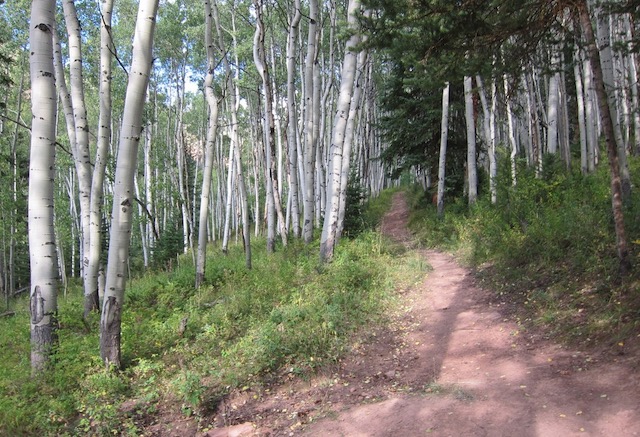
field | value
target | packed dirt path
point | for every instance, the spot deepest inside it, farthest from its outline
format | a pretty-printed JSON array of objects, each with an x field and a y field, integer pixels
[{"x": 453, "y": 362}]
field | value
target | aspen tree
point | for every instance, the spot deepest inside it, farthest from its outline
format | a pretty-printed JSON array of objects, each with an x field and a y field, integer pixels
[
  {"x": 310, "y": 143},
  {"x": 472, "y": 174},
  {"x": 42, "y": 246},
  {"x": 209, "y": 150},
  {"x": 292, "y": 125},
  {"x": 330, "y": 225},
  {"x": 119, "y": 242},
  {"x": 444, "y": 128},
  {"x": 273, "y": 194},
  {"x": 102, "y": 150}
]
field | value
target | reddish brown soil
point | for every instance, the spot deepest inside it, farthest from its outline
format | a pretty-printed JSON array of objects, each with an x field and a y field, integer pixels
[{"x": 453, "y": 362}]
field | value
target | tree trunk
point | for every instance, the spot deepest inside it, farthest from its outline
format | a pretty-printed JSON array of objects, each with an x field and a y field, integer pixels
[
  {"x": 209, "y": 150},
  {"x": 349, "y": 138},
  {"x": 608, "y": 128},
  {"x": 511, "y": 131},
  {"x": 580, "y": 97},
  {"x": 292, "y": 125},
  {"x": 444, "y": 128},
  {"x": 472, "y": 173},
  {"x": 91, "y": 297},
  {"x": 489, "y": 137},
  {"x": 329, "y": 229},
  {"x": 310, "y": 140},
  {"x": 552, "y": 104},
  {"x": 119, "y": 243},
  {"x": 42, "y": 247},
  {"x": 273, "y": 193}
]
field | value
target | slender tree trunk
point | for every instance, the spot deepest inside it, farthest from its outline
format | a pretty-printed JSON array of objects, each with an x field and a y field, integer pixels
[
  {"x": 273, "y": 193},
  {"x": 349, "y": 138},
  {"x": 330, "y": 227},
  {"x": 119, "y": 243},
  {"x": 42, "y": 242},
  {"x": 310, "y": 141},
  {"x": 489, "y": 138},
  {"x": 91, "y": 297},
  {"x": 511, "y": 132},
  {"x": 292, "y": 125},
  {"x": 580, "y": 97},
  {"x": 472, "y": 173},
  {"x": 590, "y": 116},
  {"x": 209, "y": 150},
  {"x": 444, "y": 129},
  {"x": 608, "y": 127},
  {"x": 552, "y": 105}
]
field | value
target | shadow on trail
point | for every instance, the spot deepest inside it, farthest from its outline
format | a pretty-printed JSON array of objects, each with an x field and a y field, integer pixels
[{"x": 468, "y": 370}]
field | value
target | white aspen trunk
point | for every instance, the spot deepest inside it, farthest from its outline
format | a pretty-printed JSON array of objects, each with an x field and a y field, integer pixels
[
  {"x": 273, "y": 194},
  {"x": 42, "y": 247},
  {"x": 276, "y": 101},
  {"x": 552, "y": 105},
  {"x": 580, "y": 97},
  {"x": 292, "y": 125},
  {"x": 82, "y": 157},
  {"x": 181, "y": 163},
  {"x": 119, "y": 243},
  {"x": 510, "y": 131},
  {"x": 256, "y": 192},
  {"x": 226, "y": 232},
  {"x": 321, "y": 113},
  {"x": 489, "y": 136},
  {"x": 310, "y": 141},
  {"x": 91, "y": 287},
  {"x": 349, "y": 139},
  {"x": 330, "y": 227},
  {"x": 209, "y": 149},
  {"x": 590, "y": 117},
  {"x": 246, "y": 231},
  {"x": 563, "y": 128},
  {"x": 442, "y": 160},
  {"x": 472, "y": 172}
]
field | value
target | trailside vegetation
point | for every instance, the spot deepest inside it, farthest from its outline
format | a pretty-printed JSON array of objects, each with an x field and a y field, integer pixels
[
  {"x": 240, "y": 328},
  {"x": 549, "y": 246}
]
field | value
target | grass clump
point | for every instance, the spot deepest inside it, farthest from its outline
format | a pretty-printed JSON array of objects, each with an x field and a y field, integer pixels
[
  {"x": 549, "y": 245},
  {"x": 185, "y": 349}
]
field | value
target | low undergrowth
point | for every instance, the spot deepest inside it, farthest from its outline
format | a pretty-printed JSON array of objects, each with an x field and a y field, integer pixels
[
  {"x": 548, "y": 246},
  {"x": 185, "y": 349}
]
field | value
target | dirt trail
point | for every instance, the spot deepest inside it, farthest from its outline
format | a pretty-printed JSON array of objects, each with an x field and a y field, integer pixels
[{"x": 452, "y": 363}]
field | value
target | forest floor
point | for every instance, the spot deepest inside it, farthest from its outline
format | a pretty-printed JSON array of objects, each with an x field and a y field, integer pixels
[{"x": 454, "y": 361}]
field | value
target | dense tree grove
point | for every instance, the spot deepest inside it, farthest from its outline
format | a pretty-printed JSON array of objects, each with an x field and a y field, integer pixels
[{"x": 236, "y": 117}]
